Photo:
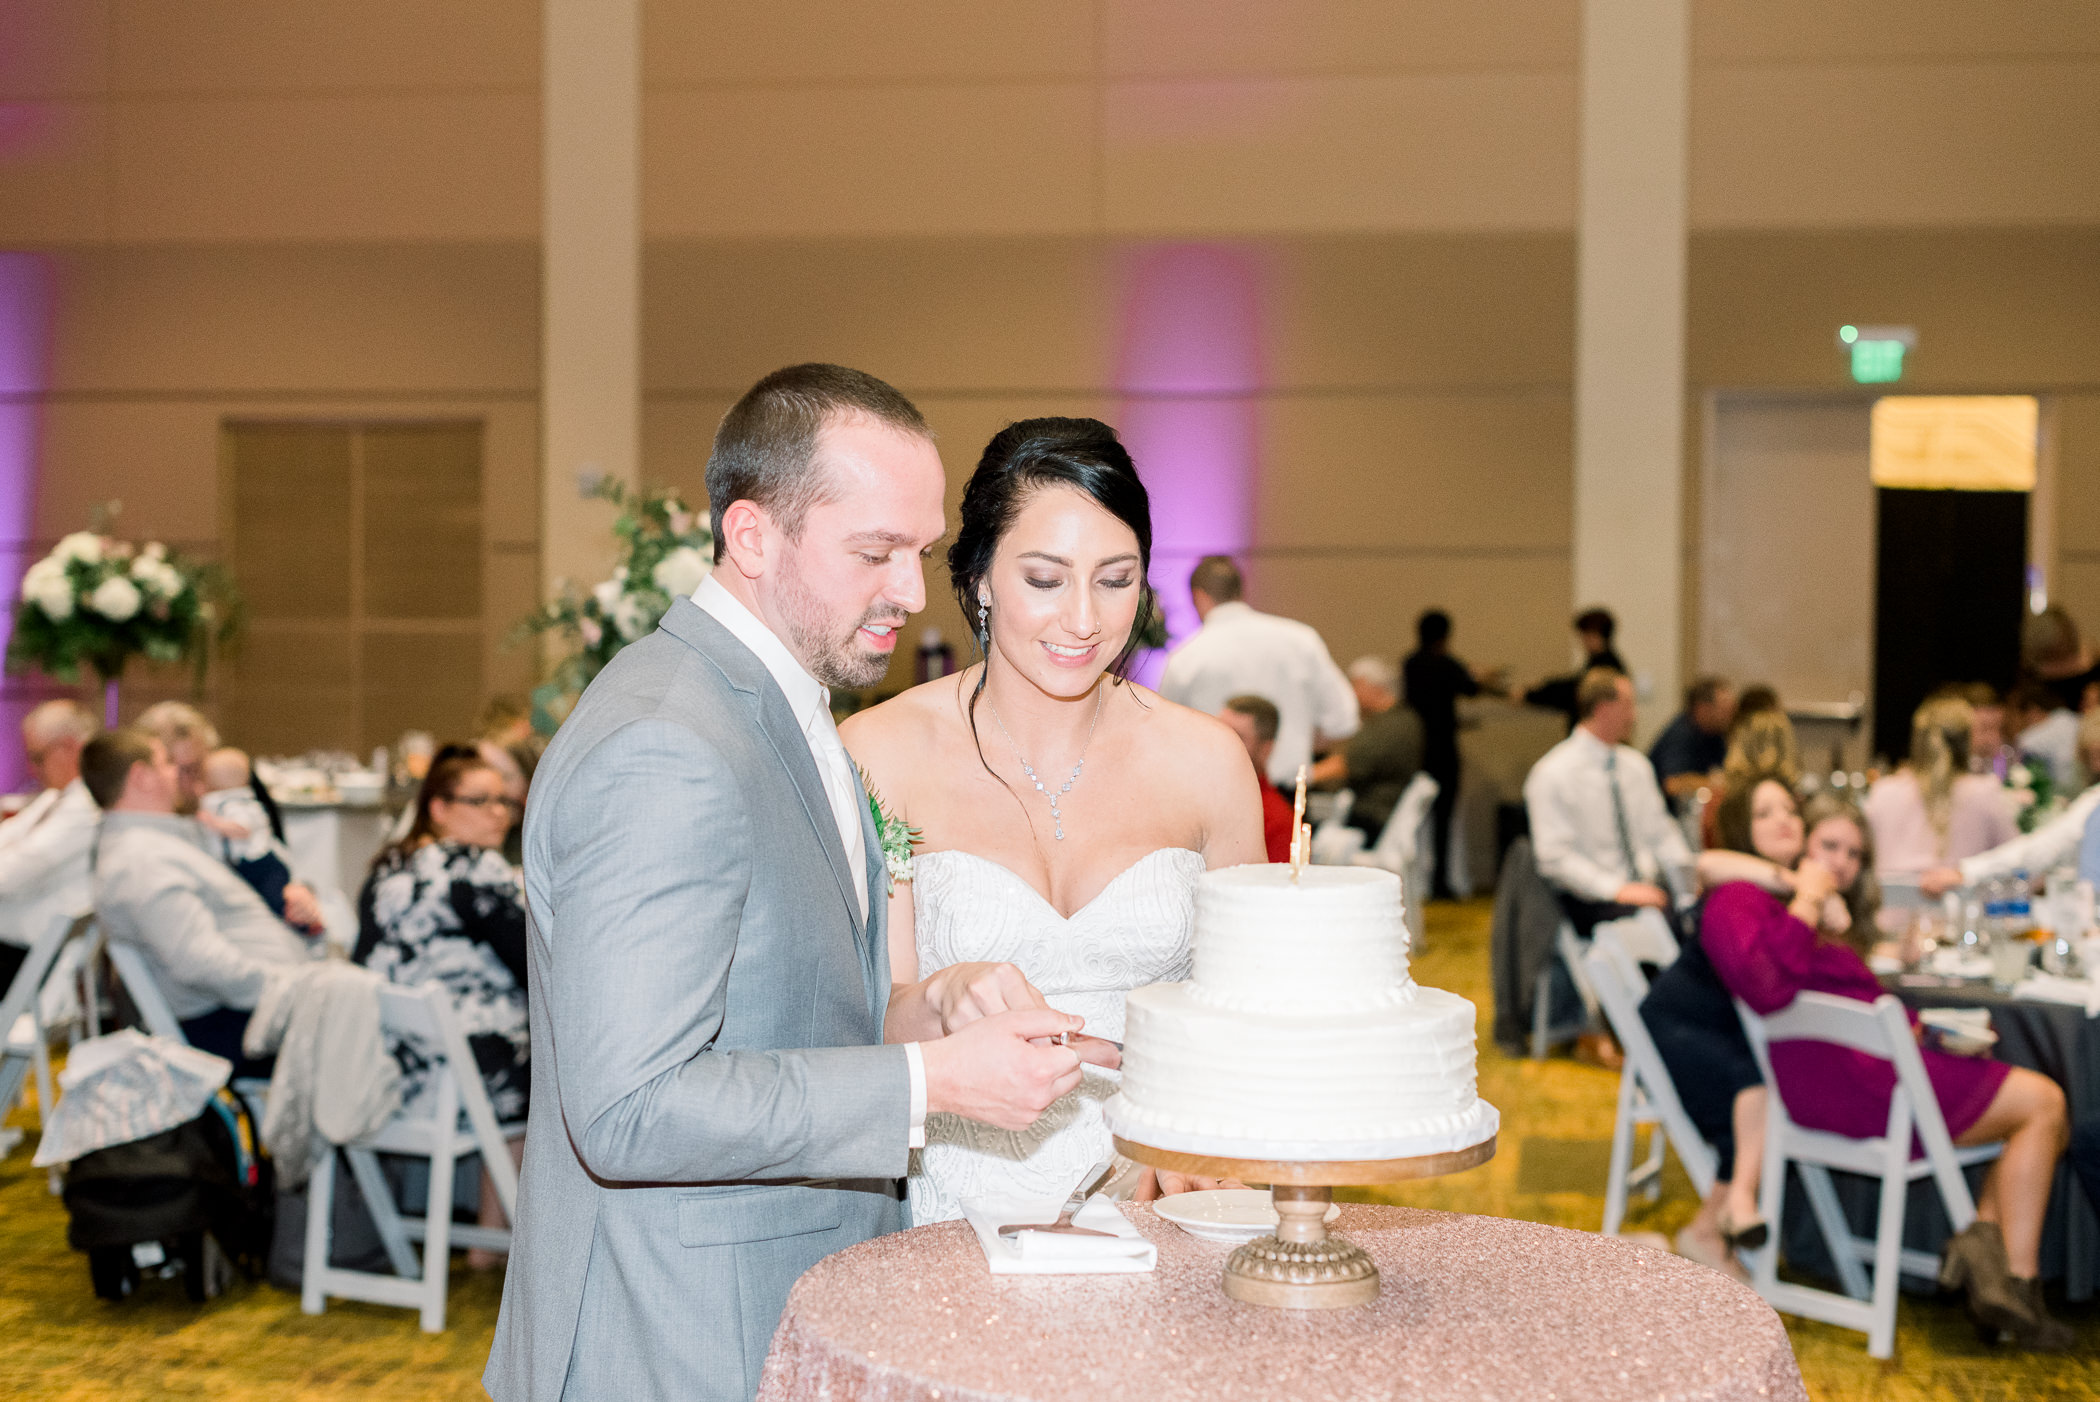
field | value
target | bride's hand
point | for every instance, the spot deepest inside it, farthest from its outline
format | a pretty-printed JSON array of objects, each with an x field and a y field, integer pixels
[
  {"x": 964, "y": 993},
  {"x": 1155, "y": 1183}
]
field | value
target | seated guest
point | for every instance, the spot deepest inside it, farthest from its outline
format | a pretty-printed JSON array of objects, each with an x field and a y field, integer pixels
[
  {"x": 1255, "y": 721},
  {"x": 1932, "y": 811},
  {"x": 1594, "y": 629},
  {"x": 1986, "y": 725},
  {"x": 2048, "y": 847},
  {"x": 207, "y": 937},
  {"x": 2052, "y": 651},
  {"x": 1378, "y": 762},
  {"x": 44, "y": 848},
  {"x": 1688, "y": 754},
  {"x": 442, "y": 906},
  {"x": 1761, "y": 743},
  {"x": 1601, "y": 835},
  {"x": 2045, "y": 733},
  {"x": 189, "y": 738},
  {"x": 237, "y": 827},
  {"x": 1693, "y": 1023},
  {"x": 1604, "y": 840},
  {"x": 1768, "y": 950}
]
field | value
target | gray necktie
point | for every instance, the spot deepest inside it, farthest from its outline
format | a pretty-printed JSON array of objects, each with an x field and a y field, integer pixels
[{"x": 1618, "y": 813}]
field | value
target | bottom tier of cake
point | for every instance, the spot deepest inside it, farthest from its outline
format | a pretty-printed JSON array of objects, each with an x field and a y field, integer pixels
[{"x": 1392, "y": 1082}]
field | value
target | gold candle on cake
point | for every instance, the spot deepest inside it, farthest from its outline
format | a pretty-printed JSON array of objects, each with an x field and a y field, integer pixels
[{"x": 1301, "y": 834}]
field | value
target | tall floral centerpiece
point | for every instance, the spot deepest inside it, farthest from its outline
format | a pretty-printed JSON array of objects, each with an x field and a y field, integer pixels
[
  {"x": 666, "y": 551},
  {"x": 96, "y": 601}
]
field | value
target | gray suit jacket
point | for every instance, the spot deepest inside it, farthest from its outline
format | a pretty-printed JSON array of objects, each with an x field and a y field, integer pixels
[{"x": 713, "y": 1108}]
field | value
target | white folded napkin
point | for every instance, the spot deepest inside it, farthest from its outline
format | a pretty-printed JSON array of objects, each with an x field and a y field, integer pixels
[
  {"x": 1958, "y": 963},
  {"x": 2054, "y": 988},
  {"x": 1053, "y": 1253}
]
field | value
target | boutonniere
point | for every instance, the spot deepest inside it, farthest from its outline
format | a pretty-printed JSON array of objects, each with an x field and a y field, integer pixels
[{"x": 894, "y": 834}]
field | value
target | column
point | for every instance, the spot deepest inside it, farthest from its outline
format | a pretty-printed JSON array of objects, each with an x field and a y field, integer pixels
[
  {"x": 1629, "y": 335},
  {"x": 590, "y": 275}
]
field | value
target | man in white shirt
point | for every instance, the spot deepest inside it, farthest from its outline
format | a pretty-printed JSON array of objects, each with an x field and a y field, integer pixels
[
  {"x": 44, "y": 848},
  {"x": 1239, "y": 652},
  {"x": 1599, "y": 828},
  {"x": 207, "y": 937},
  {"x": 2052, "y": 845}
]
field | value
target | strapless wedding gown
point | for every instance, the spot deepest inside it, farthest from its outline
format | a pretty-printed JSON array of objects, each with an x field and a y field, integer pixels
[{"x": 966, "y": 909}]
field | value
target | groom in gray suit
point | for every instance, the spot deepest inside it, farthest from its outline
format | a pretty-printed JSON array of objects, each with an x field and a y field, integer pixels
[{"x": 714, "y": 1108}]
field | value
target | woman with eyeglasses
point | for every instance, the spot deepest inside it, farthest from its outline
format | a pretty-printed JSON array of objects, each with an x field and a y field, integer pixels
[{"x": 442, "y": 905}]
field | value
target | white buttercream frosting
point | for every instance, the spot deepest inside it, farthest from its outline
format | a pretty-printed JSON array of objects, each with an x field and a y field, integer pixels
[{"x": 1301, "y": 1034}]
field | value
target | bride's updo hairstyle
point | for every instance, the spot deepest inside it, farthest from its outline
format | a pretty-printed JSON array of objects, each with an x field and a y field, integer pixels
[{"x": 1021, "y": 460}]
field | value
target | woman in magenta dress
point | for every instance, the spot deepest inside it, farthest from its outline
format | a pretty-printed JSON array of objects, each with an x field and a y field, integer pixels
[{"x": 1767, "y": 950}]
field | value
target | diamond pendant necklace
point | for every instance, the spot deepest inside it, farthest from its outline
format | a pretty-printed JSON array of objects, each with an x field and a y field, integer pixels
[{"x": 1057, "y": 818}]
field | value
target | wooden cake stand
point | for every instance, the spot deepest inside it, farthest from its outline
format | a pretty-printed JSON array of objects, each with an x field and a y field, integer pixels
[{"x": 1300, "y": 1266}]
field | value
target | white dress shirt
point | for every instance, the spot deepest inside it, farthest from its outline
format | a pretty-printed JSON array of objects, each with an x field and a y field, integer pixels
[
  {"x": 1584, "y": 844},
  {"x": 1239, "y": 652},
  {"x": 2037, "y": 853},
  {"x": 811, "y": 703},
  {"x": 44, "y": 853}
]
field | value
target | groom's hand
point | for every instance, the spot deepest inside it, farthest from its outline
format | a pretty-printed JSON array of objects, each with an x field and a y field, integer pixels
[
  {"x": 965, "y": 993},
  {"x": 992, "y": 1072}
]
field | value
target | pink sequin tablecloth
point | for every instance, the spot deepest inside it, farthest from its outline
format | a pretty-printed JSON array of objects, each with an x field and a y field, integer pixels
[{"x": 1472, "y": 1307}]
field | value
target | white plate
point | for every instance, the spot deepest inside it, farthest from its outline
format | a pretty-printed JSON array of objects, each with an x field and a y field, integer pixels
[{"x": 1225, "y": 1214}]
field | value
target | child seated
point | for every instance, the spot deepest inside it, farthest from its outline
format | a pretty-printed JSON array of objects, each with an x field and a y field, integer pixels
[{"x": 237, "y": 827}]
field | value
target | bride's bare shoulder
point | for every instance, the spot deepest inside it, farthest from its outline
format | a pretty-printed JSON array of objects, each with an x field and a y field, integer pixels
[{"x": 1185, "y": 736}]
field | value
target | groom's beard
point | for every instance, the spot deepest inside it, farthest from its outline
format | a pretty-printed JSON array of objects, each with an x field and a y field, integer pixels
[{"x": 835, "y": 657}]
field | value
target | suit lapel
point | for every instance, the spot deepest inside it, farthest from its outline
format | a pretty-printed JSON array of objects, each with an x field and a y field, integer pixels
[
  {"x": 690, "y": 623},
  {"x": 874, "y": 947}
]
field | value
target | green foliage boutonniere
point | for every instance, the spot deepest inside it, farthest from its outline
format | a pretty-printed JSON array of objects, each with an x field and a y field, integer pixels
[{"x": 895, "y": 835}]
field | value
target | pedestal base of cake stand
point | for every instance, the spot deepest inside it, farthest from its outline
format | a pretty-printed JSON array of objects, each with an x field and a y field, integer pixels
[{"x": 1300, "y": 1266}]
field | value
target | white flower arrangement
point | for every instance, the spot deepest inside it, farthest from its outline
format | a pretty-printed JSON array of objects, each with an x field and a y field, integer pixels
[
  {"x": 98, "y": 601},
  {"x": 895, "y": 836},
  {"x": 669, "y": 551}
]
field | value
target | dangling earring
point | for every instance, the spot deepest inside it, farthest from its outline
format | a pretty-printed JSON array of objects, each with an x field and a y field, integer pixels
[{"x": 984, "y": 609}]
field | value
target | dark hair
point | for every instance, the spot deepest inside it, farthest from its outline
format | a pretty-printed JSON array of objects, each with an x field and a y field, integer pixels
[
  {"x": 1218, "y": 577},
  {"x": 447, "y": 767},
  {"x": 1703, "y": 691},
  {"x": 767, "y": 441},
  {"x": 107, "y": 760},
  {"x": 1262, "y": 711},
  {"x": 2032, "y": 694},
  {"x": 1595, "y": 687},
  {"x": 1433, "y": 627},
  {"x": 1732, "y": 814},
  {"x": 1022, "y": 459},
  {"x": 1598, "y": 621}
]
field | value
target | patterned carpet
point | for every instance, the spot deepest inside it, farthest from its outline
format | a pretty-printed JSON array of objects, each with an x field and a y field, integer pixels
[{"x": 64, "y": 1345}]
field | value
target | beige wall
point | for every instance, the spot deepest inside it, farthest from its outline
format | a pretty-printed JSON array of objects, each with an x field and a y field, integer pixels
[{"x": 331, "y": 209}]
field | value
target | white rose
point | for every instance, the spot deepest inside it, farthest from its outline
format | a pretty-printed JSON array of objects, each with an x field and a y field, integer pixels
[
  {"x": 632, "y": 617},
  {"x": 47, "y": 586},
  {"x": 154, "y": 550},
  {"x": 116, "y": 599},
  {"x": 81, "y": 545},
  {"x": 681, "y": 571},
  {"x": 607, "y": 595},
  {"x": 156, "y": 576}
]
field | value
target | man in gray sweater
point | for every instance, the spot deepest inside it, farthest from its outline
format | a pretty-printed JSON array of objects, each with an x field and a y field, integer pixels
[{"x": 208, "y": 939}]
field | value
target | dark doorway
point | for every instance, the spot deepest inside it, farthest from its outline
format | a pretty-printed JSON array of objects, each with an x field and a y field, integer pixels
[{"x": 1950, "y": 583}]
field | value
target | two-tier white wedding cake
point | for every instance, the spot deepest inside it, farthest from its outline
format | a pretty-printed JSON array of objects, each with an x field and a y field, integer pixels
[{"x": 1301, "y": 1035}]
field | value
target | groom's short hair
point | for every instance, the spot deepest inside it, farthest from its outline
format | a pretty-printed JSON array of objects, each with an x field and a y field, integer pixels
[{"x": 765, "y": 449}]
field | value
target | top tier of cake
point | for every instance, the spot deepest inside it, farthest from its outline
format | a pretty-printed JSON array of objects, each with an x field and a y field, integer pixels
[{"x": 1331, "y": 941}]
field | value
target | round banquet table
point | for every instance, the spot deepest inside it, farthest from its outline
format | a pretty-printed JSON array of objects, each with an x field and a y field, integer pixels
[{"x": 1472, "y": 1307}]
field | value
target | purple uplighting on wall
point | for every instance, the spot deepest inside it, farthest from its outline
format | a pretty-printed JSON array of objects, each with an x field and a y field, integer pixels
[
  {"x": 26, "y": 310},
  {"x": 1190, "y": 363}
]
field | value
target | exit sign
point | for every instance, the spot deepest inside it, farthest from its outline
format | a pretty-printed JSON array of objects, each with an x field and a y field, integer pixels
[{"x": 1877, "y": 351}]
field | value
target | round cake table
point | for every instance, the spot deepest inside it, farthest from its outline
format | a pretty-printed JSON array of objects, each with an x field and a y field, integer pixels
[{"x": 1473, "y": 1307}]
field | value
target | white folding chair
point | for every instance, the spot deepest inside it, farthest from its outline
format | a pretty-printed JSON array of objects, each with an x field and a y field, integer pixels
[
  {"x": 1882, "y": 1030},
  {"x": 450, "y": 1121},
  {"x": 1406, "y": 848},
  {"x": 1545, "y": 1035},
  {"x": 1335, "y": 843},
  {"x": 154, "y": 1010},
  {"x": 1647, "y": 1095},
  {"x": 23, "y": 1050}
]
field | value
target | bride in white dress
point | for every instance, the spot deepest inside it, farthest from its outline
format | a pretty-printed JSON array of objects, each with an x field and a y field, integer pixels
[{"x": 1063, "y": 813}]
